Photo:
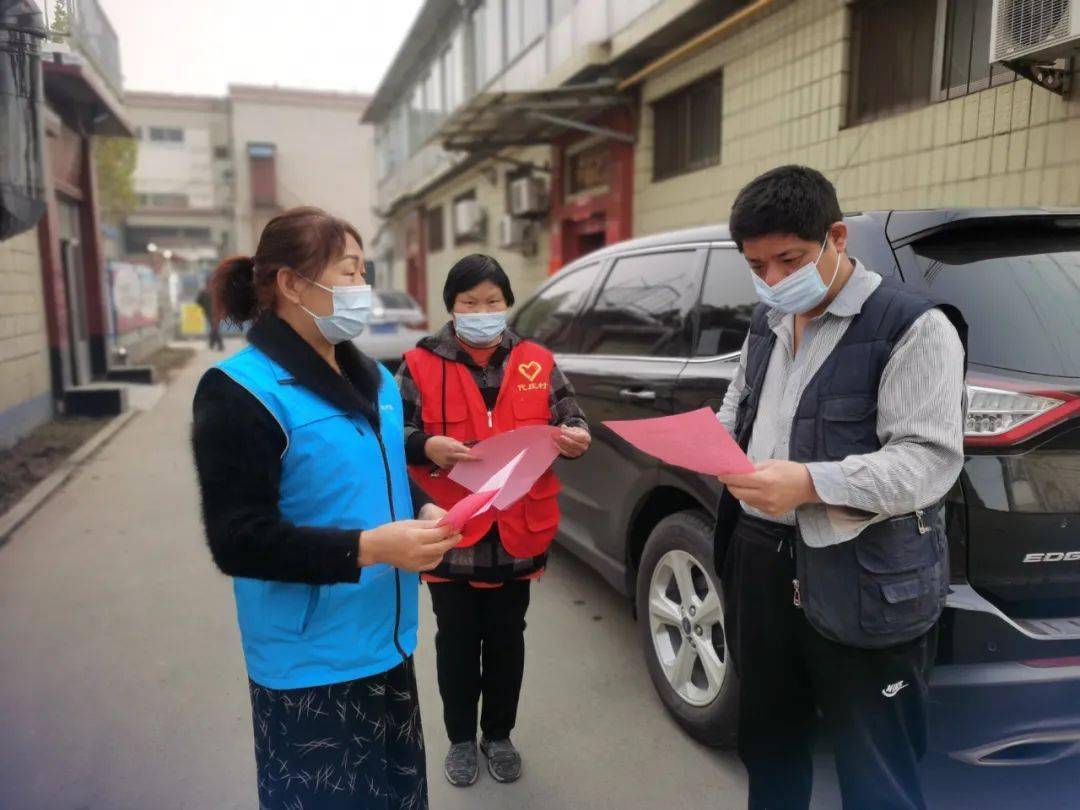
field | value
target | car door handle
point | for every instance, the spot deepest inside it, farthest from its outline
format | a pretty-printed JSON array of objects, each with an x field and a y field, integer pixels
[{"x": 640, "y": 396}]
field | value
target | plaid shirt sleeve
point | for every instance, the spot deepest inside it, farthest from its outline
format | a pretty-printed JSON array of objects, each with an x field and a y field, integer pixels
[
  {"x": 564, "y": 407},
  {"x": 415, "y": 437}
]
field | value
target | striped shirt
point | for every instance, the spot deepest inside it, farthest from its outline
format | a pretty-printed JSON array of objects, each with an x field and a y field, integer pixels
[{"x": 920, "y": 421}]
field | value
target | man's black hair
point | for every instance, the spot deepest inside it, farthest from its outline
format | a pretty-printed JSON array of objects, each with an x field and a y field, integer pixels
[
  {"x": 473, "y": 270},
  {"x": 788, "y": 199}
]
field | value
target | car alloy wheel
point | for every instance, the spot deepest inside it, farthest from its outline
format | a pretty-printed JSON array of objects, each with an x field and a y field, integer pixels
[{"x": 686, "y": 621}]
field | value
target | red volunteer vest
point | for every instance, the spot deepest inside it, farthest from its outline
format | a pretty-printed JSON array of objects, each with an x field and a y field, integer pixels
[{"x": 451, "y": 405}]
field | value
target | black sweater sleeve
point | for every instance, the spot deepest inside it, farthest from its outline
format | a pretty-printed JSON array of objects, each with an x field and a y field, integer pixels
[{"x": 238, "y": 445}]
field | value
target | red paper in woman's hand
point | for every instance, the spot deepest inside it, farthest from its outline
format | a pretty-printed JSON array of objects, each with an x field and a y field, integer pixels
[
  {"x": 467, "y": 508},
  {"x": 486, "y": 495},
  {"x": 536, "y": 442}
]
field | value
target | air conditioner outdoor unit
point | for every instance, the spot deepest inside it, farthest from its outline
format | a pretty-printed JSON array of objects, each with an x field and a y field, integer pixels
[
  {"x": 528, "y": 197},
  {"x": 1034, "y": 30},
  {"x": 515, "y": 233},
  {"x": 468, "y": 220}
]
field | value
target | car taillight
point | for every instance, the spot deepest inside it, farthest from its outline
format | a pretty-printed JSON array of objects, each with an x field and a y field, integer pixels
[{"x": 998, "y": 417}]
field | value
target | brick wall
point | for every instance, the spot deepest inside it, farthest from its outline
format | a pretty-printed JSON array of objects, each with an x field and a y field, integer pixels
[
  {"x": 25, "y": 398},
  {"x": 785, "y": 89}
]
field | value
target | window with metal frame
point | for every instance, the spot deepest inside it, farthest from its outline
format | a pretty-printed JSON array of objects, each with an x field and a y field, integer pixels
[
  {"x": 163, "y": 200},
  {"x": 966, "y": 64},
  {"x": 462, "y": 235},
  {"x": 416, "y": 133},
  {"x": 687, "y": 128},
  {"x": 907, "y": 55},
  {"x": 167, "y": 134},
  {"x": 892, "y": 57},
  {"x": 262, "y": 168}
]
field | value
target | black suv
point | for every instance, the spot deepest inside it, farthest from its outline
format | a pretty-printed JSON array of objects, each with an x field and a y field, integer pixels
[{"x": 654, "y": 326}]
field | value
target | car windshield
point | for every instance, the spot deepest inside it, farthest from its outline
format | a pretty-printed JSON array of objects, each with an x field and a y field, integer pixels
[{"x": 1018, "y": 286}]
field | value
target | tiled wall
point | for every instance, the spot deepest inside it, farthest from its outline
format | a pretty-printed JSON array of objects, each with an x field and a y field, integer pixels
[
  {"x": 25, "y": 398},
  {"x": 785, "y": 86}
]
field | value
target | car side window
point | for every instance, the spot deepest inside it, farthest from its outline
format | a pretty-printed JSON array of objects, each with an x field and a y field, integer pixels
[
  {"x": 547, "y": 318},
  {"x": 644, "y": 306},
  {"x": 727, "y": 304}
]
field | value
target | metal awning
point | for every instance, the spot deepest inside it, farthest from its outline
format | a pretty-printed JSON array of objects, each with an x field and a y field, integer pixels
[
  {"x": 493, "y": 121},
  {"x": 78, "y": 91}
]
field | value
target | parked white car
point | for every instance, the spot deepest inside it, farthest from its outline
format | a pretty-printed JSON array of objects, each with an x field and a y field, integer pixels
[{"x": 397, "y": 323}]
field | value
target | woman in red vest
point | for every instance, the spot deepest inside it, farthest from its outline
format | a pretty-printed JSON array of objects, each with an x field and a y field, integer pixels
[{"x": 472, "y": 380}]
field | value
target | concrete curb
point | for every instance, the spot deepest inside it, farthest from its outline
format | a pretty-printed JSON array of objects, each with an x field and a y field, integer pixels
[{"x": 17, "y": 515}]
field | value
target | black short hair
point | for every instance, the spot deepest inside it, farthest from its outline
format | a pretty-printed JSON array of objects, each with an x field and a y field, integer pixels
[
  {"x": 788, "y": 199},
  {"x": 471, "y": 271}
]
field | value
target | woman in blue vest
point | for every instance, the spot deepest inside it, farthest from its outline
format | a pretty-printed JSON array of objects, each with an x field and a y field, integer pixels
[{"x": 299, "y": 446}]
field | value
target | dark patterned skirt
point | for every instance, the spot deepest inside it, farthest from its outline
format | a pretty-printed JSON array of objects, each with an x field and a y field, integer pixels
[{"x": 357, "y": 744}]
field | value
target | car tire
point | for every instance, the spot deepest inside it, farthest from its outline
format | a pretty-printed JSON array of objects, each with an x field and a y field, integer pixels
[{"x": 699, "y": 694}]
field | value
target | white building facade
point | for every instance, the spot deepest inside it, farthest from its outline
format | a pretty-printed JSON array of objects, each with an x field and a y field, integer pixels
[
  {"x": 213, "y": 170},
  {"x": 629, "y": 117}
]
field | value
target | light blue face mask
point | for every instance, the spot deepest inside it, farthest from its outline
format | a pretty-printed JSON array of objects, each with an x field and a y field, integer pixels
[
  {"x": 479, "y": 328},
  {"x": 801, "y": 291},
  {"x": 352, "y": 311}
]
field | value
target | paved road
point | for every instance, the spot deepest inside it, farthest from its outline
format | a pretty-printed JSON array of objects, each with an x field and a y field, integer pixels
[{"x": 122, "y": 684}]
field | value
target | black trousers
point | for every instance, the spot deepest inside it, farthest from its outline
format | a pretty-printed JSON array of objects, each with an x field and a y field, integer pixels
[
  {"x": 480, "y": 652},
  {"x": 215, "y": 337},
  {"x": 873, "y": 702}
]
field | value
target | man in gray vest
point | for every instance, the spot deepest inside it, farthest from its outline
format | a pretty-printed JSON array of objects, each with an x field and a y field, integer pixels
[{"x": 849, "y": 400}]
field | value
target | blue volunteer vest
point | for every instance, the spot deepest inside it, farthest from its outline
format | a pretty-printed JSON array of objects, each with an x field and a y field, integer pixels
[
  {"x": 889, "y": 584},
  {"x": 337, "y": 472}
]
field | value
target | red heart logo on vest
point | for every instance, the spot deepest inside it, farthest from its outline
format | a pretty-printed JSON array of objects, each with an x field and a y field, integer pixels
[{"x": 530, "y": 370}]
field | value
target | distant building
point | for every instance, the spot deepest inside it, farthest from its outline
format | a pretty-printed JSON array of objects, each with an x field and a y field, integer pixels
[
  {"x": 212, "y": 171},
  {"x": 183, "y": 178},
  {"x": 538, "y": 132},
  {"x": 300, "y": 147}
]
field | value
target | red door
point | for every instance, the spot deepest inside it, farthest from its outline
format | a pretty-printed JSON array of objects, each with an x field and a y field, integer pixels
[
  {"x": 415, "y": 282},
  {"x": 415, "y": 258},
  {"x": 585, "y": 236},
  {"x": 592, "y": 193}
]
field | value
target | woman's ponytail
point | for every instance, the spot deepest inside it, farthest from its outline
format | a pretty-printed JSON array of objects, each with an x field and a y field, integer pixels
[{"x": 234, "y": 289}]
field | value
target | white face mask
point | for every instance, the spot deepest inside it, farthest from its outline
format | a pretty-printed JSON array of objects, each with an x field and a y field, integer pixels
[
  {"x": 801, "y": 291},
  {"x": 352, "y": 310},
  {"x": 479, "y": 328}
]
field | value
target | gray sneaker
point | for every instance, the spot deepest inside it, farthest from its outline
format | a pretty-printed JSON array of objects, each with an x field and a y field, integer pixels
[
  {"x": 504, "y": 761},
  {"x": 461, "y": 767}
]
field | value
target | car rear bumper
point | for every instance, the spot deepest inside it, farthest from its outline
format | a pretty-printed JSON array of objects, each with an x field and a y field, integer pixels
[
  {"x": 1005, "y": 714},
  {"x": 1024, "y": 711}
]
